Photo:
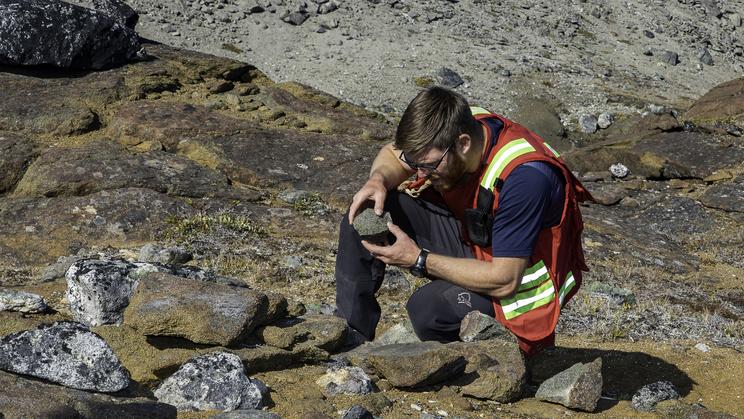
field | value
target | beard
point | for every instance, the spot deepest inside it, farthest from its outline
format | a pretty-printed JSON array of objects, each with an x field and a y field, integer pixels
[{"x": 454, "y": 174}]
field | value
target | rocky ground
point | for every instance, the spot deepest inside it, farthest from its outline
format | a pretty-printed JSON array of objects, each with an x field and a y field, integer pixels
[{"x": 190, "y": 175}]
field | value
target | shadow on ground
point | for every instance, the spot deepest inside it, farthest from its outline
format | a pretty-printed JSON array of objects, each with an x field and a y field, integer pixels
[{"x": 623, "y": 373}]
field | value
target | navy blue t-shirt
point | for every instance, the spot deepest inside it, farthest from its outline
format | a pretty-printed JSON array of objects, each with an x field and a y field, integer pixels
[{"x": 531, "y": 199}]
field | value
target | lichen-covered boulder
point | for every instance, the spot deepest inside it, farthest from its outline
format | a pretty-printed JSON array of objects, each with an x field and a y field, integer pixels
[
  {"x": 345, "y": 380},
  {"x": 66, "y": 353},
  {"x": 98, "y": 291},
  {"x": 216, "y": 381},
  {"x": 24, "y": 302},
  {"x": 51, "y": 32}
]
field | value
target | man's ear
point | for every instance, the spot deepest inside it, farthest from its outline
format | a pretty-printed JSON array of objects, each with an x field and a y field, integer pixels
[{"x": 464, "y": 142}]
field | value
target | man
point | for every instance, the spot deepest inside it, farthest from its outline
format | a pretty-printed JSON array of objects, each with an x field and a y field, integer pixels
[{"x": 499, "y": 230}]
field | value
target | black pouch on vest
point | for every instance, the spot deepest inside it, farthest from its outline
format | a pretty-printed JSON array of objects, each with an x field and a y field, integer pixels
[{"x": 479, "y": 220}]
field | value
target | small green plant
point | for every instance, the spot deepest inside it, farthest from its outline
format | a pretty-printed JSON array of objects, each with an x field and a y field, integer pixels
[
  {"x": 186, "y": 228},
  {"x": 309, "y": 204}
]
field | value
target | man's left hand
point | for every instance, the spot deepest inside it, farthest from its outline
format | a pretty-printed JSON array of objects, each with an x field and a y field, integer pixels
[{"x": 403, "y": 252}]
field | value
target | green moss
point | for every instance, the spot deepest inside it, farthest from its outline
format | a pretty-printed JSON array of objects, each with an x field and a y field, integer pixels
[
  {"x": 184, "y": 229},
  {"x": 309, "y": 204}
]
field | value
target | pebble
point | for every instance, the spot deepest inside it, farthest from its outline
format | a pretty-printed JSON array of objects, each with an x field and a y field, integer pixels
[
  {"x": 705, "y": 57},
  {"x": 357, "y": 412},
  {"x": 702, "y": 347},
  {"x": 669, "y": 57},
  {"x": 619, "y": 170},
  {"x": 448, "y": 78},
  {"x": 605, "y": 120},
  {"x": 649, "y": 34},
  {"x": 588, "y": 123}
]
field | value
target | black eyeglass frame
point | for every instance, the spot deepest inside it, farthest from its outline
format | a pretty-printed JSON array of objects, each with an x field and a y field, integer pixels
[{"x": 428, "y": 168}]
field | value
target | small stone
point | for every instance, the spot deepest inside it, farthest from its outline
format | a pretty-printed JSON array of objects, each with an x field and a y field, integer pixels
[
  {"x": 478, "y": 326},
  {"x": 605, "y": 120},
  {"x": 588, "y": 123},
  {"x": 357, "y": 412},
  {"x": 578, "y": 387},
  {"x": 668, "y": 57},
  {"x": 215, "y": 381},
  {"x": 646, "y": 397},
  {"x": 702, "y": 347},
  {"x": 296, "y": 18},
  {"x": 328, "y": 7},
  {"x": 448, "y": 78},
  {"x": 246, "y": 414},
  {"x": 372, "y": 227},
  {"x": 153, "y": 253},
  {"x": 399, "y": 333},
  {"x": 619, "y": 170},
  {"x": 705, "y": 57},
  {"x": 21, "y": 301},
  {"x": 66, "y": 353},
  {"x": 345, "y": 380},
  {"x": 649, "y": 34},
  {"x": 735, "y": 19},
  {"x": 657, "y": 109},
  {"x": 504, "y": 72},
  {"x": 220, "y": 86}
]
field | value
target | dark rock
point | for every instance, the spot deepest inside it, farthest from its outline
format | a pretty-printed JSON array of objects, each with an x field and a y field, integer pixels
[
  {"x": 588, "y": 124},
  {"x": 216, "y": 314},
  {"x": 220, "y": 86},
  {"x": 578, "y": 387},
  {"x": 727, "y": 196},
  {"x": 63, "y": 35},
  {"x": 21, "y": 301},
  {"x": 215, "y": 381},
  {"x": 646, "y": 397},
  {"x": 649, "y": 34},
  {"x": 118, "y": 10},
  {"x": 21, "y": 397},
  {"x": 357, "y": 412},
  {"x": 478, "y": 326},
  {"x": 324, "y": 332},
  {"x": 607, "y": 194},
  {"x": 345, "y": 380},
  {"x": 105, "y": 165},
  {"x": 705, "y": 57},
  {"x": 296, "y": 18},
  {"x": 668, "y": 57},
  {"x": 427, "y": 363},
  {"x": 16, "y": 153},
  {"x": 448, "y": 78},
  {"x": 168, "y": 255},
  {"x": 372, "y": 227},
  {"x": 98, "y": 291},
  {"x": 246, "y": 414},
  {"x": 66, "y": 353}
]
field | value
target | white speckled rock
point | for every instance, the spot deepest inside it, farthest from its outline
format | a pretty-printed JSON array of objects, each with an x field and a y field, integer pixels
[
  {"x": 66, "y": 353},
  {"x": 345, "y": 380},
  {"x": 22, "y": 301},
  {"x": 98, "y": 291},
  {"x": 215, "y": 381}
]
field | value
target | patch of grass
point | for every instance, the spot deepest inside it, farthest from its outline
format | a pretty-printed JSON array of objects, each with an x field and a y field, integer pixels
[
  {"x": 424, "y": 81},
  {"x": 185, "y": 228},
  {"x": 310, "y": 204},
  {"x": 232, "y": 48}
]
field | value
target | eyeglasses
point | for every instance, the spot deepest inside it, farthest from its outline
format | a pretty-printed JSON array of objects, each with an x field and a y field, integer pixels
[{"x": 427, "y": 168}]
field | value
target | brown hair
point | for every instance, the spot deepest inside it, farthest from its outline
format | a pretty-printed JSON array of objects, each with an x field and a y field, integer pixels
[{"x": 435, "y": 117}]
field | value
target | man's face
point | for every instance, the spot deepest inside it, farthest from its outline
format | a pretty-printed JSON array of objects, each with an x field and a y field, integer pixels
[{"x": 445, "y": 168}]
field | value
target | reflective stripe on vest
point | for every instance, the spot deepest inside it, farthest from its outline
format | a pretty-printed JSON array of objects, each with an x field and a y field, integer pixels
[
  {"x": 552, "y": 150},
  {"x": 477, "y": 110},
  {"x": 528, "y": 297},
  {"x": 505, "y": 155},
  {"x": 567, "y": 286}
]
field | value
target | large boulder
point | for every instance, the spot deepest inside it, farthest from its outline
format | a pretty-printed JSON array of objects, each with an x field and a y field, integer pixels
[
  {"x": 215, "y": 381},
  {"x": 540, "y": 117},
  {"x": 723, "y": 102},
  {"x": 324, "y": 332},
  {"x": 215, "y": 314},
  {"x": 66, "y": 353},
  {"x": 22, "y": 398},
  {"x": 16, "y": 153},
  {"x": 104, "y": 165},
  {"x": 24, "y": 302},
  {"x": 495, "y": 369},
  {"x": 98, "y": 291},
  {"x": 64, "y": 35}
]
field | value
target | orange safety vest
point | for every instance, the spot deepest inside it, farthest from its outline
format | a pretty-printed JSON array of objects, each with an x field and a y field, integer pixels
[{"x": 555, "y": 271}]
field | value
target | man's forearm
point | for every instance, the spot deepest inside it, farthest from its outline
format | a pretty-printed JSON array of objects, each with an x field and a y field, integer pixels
[{"x": 498, "y": 278}]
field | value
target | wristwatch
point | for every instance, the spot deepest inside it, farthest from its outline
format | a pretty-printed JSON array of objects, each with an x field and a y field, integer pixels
[{"x": 419, "y": 268}]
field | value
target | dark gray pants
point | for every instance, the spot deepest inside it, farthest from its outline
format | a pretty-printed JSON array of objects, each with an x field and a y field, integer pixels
[{"x": 435, "y": 309}]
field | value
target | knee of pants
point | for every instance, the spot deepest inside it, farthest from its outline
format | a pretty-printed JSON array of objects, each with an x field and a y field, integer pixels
[{"x": 422, "y": 310}]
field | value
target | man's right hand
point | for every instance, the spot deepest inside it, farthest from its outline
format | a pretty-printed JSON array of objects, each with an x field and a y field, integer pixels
[{"x": 373, "y": 190}]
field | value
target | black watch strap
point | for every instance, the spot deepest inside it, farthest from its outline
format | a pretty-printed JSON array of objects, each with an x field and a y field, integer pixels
[{"x": 419, "y": 268}]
